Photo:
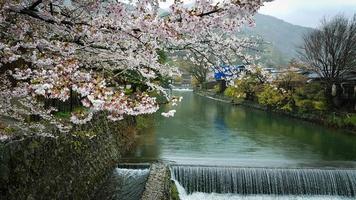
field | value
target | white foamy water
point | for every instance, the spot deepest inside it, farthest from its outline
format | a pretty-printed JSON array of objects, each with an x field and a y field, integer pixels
[
  {"x": 214, "y": 196},
  {"x": 266, "y": 181},
  {"x": 205, "y": 196},
  {"x": 182, "y": 89},
  {"x": 125, "y": 184}
]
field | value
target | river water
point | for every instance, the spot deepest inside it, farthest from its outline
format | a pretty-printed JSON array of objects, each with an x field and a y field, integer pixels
[
  {"x": 230, "y": 152},
  {"x": 209, "y": 132}
]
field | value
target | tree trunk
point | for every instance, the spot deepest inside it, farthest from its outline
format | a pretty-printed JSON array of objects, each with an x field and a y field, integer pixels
[
  {"x": 222, "y": 86},
  {"x": 333, "y": 95}
]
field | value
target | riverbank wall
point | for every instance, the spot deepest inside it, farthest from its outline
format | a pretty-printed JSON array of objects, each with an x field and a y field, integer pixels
[
  {"x": 69, "y": 166},
  {"x": 310, "y": 117}
]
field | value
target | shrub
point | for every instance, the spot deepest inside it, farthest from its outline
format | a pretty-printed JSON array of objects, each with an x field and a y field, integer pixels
[
  {"x": 304, "y": 105},
  {"x": 350, "y": 120},
  {"x": 235, "y": 93},
  {"x": 272, "y": 97},
  {"x": 310, "y": 97},
  {"x": 245, "y": 88},
  {"x": 319, "y": 105},
  {"x": 288, "y": 107}
]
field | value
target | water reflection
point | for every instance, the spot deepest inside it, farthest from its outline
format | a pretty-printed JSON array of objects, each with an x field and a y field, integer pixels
[{"x": 205, "y": 131}]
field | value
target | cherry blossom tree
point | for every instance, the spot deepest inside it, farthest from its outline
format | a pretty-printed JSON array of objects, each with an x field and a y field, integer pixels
[{"x": 91, "y": 50}]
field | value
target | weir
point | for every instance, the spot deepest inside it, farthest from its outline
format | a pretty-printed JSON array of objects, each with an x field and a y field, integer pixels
[
  {"x": 266, "y": 181},
  {"x": 126, "y": 182}
]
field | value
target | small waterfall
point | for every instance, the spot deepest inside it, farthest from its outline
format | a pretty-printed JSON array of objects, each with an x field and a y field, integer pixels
[
  {"x": 266, "y": 181},
  {"x": 127, "y": 184}
]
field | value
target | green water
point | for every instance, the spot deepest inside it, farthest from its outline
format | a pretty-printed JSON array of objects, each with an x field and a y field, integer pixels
[{"x": 208, "y": 132}]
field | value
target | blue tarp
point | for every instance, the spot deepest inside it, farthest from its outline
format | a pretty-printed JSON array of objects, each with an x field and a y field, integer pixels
[{"x": 225, "y": 71}]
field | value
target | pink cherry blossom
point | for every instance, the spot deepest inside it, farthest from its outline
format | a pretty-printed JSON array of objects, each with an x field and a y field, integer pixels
[{"x": 93, "y": 49}]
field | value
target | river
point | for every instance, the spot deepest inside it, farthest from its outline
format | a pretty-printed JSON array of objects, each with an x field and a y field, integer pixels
[{"x": 209, "y": 132}]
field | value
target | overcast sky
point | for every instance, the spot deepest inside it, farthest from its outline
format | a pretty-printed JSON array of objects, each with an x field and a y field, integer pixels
[
  {"x": 308, "y": 12},
  {"x": 303, "y": 12}
]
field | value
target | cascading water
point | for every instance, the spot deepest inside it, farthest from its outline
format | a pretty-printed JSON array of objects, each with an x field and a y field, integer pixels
[
  {"x": 202, "y": 182},
  {"x": 125, "y": 184}
]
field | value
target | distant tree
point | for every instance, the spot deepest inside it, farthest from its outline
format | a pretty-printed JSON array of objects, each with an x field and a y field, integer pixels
[
  {"x": 199, "y": 72},
  {"x": 291, "y": 78},
  {"x": 330, "y": 51}
]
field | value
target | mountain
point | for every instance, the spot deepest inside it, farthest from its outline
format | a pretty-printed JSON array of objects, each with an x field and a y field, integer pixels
[{"x": 283, "y": 38}]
